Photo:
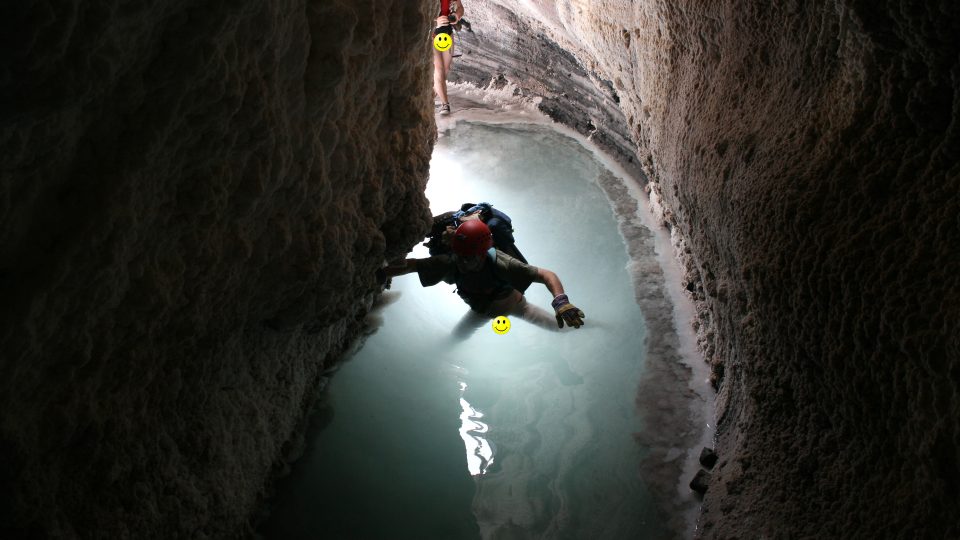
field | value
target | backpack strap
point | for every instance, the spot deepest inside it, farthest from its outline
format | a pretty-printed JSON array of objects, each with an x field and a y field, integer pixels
[{"x": 492, "y": 256}]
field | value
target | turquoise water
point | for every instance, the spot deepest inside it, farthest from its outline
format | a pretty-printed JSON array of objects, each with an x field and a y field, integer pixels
[{"x": 423, "y": 434}]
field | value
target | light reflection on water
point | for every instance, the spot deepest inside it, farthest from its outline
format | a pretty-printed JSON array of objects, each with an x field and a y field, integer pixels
[
  {"x": 479, "y": 450},
  {"x": 524, "y": 435}
]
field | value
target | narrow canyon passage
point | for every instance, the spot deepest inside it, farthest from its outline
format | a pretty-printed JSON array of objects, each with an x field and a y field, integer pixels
[
  {"x": 429, "y": 431},
  {"x": 195, "y": 199}
]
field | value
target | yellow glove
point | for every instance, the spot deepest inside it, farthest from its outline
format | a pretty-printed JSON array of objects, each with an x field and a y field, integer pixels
[{"x": 567, "y": 312}]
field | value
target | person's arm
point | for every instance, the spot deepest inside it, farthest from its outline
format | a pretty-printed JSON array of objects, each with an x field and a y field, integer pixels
[
  {"x": 565, "y": 311},
  {"x": 459, "y": 12},
  {"x": 407, "y": 266},
  {"x": 384, "y": 274},
  {"x": 430, "y": 270},
  {"x": 551, "y": 280}
]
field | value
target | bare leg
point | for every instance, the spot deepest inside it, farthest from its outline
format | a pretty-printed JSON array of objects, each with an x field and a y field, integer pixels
[
  {"x": 439, "y": 75},
  {"x": 448, "y": 57},
  {"x": 535, "y": 315},
  {"x": 468, "y": 325},
  {"x": 542, "y": 318},
  {"x": 447, "y": 65}
]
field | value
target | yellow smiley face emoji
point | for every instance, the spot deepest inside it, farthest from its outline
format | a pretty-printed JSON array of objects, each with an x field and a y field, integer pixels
[
  {"x": 501, "y": 325},
  {"x": 442, "y": 42}
]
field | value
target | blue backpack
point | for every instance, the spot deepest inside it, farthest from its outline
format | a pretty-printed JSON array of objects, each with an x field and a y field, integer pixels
[{"x": 500, "y": 224}]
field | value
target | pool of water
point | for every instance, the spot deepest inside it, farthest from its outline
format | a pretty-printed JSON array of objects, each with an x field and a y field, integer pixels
[{"x": 429, "y": 433}]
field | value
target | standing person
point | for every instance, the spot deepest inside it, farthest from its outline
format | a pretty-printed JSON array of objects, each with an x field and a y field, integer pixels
[
  {"x": 451, "y": 11},
  {"x": 484, "y": 277}
]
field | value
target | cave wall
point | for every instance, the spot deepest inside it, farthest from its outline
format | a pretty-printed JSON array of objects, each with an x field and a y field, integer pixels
[
  {"x": 193, "y": 198},
  {"x": 504, "y": 50},
  {"x": 806, "y": 159},
  {"x": 191, "y": 204},
  {"x": 810, "y": 165}
]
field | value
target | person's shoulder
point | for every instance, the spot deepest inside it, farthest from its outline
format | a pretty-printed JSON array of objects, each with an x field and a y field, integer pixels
[
  {"x": 515, "y": 268},
  {"x": 505, "y": 260}
]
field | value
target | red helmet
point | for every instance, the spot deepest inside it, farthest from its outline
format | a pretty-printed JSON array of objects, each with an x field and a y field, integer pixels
[{"x": 472, "y": 238}]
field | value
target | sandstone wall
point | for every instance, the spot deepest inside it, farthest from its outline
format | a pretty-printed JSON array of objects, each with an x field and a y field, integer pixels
[
  {"x": 193, "y": 197},
  {"x": 509, "y": 48},
  {"x": 807, "y": 157}
]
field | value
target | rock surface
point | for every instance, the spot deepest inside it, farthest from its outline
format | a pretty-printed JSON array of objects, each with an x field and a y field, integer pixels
[
  {"x": 708, "y": 458},
  {"x": 193, "y": 199},
  {"x": 506, "y": 49},
  {"x": 806, "y": 159},
  {"x": 700, "y": 482}
]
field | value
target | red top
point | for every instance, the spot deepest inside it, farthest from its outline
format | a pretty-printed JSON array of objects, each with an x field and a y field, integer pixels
[{"x": 444, "y": 7}]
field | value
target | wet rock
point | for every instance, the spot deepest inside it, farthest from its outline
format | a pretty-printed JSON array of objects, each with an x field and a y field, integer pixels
[
  {"x": 700, "y": 481},
  {"x": 499, "y": 82},
  {"x": 708, "y": 458}
]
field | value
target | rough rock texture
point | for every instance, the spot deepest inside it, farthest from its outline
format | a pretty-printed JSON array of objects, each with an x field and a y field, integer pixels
[
  {"x": 193, "y": 198},
  {"x": 504, "y": 49},
  {"x": 509, "y": 49},
  {"x": 806, "y": 156},
  {"x": 668, "y": 432}
]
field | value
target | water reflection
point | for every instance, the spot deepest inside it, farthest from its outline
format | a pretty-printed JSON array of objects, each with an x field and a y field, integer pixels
[
  {"x": 546, "y": 418},
  {"x": 479, "y": 450}
]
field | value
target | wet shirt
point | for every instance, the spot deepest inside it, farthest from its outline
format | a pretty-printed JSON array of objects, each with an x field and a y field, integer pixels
[{"x": 471, "y": 286}]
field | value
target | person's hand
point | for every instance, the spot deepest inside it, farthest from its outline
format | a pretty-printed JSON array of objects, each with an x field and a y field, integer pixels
[
  {"x": 571, "y": 315},
  {"x": 448, "y": 234},
  {"x": 442, "y": 21},
  {"x": 567, "y": 312},
  {"x": 382, "y": 278}
]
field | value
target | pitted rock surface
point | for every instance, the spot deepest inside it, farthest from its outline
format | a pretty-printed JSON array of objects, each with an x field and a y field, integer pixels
[
  {"x": 806, "y": 157},
  {"x": 193, "y": 201}
]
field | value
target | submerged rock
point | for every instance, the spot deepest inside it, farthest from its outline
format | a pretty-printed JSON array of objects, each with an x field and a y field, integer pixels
[
  {"x": 708, "y": 458},
  {"x": 700, "y": 481}
]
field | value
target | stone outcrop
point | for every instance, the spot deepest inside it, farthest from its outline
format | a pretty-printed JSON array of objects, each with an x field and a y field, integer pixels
[
  {"x": 806, "y": 157},
  {"x": 193, "y": 199}
]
